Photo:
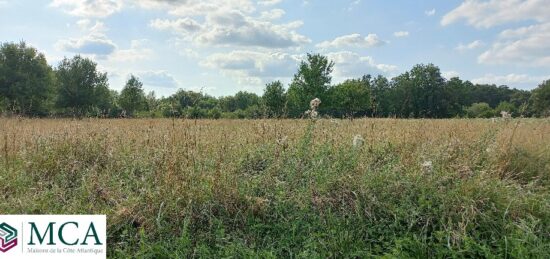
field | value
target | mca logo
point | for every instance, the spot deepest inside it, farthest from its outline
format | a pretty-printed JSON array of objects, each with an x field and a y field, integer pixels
[{"x": 8, "y": 237}]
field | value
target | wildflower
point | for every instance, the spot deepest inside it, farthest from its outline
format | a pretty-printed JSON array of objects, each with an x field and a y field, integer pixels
[
  {"x": 505, "y": 115},
  {"x": 358, "y": 141},
  {"x": 427, "y": 166},
  {"x": 282, "y": 141},
  {"x": 314, "y": 104}
]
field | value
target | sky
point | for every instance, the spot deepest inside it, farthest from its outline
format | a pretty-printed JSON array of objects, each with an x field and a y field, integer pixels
[{"x": 220, "y": 47}]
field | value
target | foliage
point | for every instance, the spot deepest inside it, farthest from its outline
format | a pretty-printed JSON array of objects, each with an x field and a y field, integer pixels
[
  {"x": 480, "y": 110},
  {"x": 274, "y": 99},
  {"x": 29, "y": 87},
  {"x": 132, "y": 97},
  {"x": 350, "y": 98},
  {"x": 26, "y": 80},
  {"x": 80, "y": 85},
  {"x": 541, "y": 99},
  {"x": 311, "y": 81}
]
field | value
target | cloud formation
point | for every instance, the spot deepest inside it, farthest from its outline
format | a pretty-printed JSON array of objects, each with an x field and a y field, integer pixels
[
  {"x": 92, "y": 44},
  {"x": 472, "y": 45},
  {"x": 401, "y": 34},
  {"x": 234, "y": 28},
  {"x": 158, "y": 79},
  {"x": 523, "y": 46},
  {"x": 351, "y": 64},
  {"x": 486, "y": 14},
  {"x": 353, "y": 40},
  {"x": 253, "y": 67},
  {"x": 510, "y": 79},
  {"x": 88, "y": 8}
]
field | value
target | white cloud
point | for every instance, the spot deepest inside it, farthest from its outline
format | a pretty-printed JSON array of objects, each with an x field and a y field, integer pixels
[
  {"x": 269, "y": 2},
  {"x": 272, "y": 14},
  {"x": 510, "y": 79},
  {"x": 352, "y": 40},
  {"x": 522, "y": 46},
  {"x": 430, "y": 12},
  {"x": 472, "y": 45},
  {"x": 157, "y": 79},
  {"x": 400, "y": 34},
  {"x": 183, "y": 25},
  {"x": 200, "y": 7},
  {"x": 486, "y": 14},
  {"x": 93, "y": 44},
  {"x": 449, "y": 74},
  {"x": 234, "y": 28},
  {"x": 253, "y": 67},
  {"x": 137, "y": 51},
  {"x": 88, "y": 8},
  {"x": 350, "y": 64},
  {"x": 353, "y": 4}
]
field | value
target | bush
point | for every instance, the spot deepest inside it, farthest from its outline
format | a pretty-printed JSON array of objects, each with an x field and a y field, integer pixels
[{"x": 480, "y": 110}]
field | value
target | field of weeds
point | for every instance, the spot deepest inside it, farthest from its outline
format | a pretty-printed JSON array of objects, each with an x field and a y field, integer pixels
[{"x": 289, "y": 188}]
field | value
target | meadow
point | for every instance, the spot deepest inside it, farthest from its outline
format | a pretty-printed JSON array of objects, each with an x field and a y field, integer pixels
[{"x": 176, "y": 188}]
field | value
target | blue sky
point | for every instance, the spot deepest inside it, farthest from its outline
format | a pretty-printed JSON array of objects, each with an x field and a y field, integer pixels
[{"x": 221, "y": 47}]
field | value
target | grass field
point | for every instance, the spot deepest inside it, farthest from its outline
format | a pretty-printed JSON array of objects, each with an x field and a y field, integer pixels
[{"x": 289, "y": 188}]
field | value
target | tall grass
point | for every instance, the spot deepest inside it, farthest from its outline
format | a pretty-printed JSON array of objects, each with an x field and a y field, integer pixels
[{"x": 289, "y": 188}]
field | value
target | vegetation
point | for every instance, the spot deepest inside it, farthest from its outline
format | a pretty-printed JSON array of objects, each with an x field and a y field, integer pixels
[
  {"x": 30, "y": 87},
  {"x": 177, "y": 188}
]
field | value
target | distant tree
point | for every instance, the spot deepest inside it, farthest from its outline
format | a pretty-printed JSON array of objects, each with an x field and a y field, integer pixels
[
  {"x": 246, "y": 99},
  {"x": 214, "y": 113},
  {"x": 404, "y": 96},
  {"x": 274, "y": 99},
  {"x": 541, "y": 99},
  {"x": 26, "y": 80},
  {"x": 480, "y": 110},
  {"x": 428, "y": 91},
  {"x": 505, "y": 106},
  {"x": 455, "y": 97},
  {"x": 152, "y": 101},
  {"x": 311, "y": 81},
  {"x": 79, "y": 85},
  {"x": 350, "y": 98},
  {"x": 105, "y": 100},
  {"x": 187, "y": 99},
  {"x": 380, "y": 98},
  {"x": 132, "y": 97}
]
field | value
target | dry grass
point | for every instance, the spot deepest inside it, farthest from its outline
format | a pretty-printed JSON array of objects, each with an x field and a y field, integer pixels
[{"x": 271, "y": 188}]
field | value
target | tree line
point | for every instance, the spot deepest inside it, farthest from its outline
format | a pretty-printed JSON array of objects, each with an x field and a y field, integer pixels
[{"x": 29, "y": 86}]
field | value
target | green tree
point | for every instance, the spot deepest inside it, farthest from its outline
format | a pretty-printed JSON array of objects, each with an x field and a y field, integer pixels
[
  {"x": 350, "y": 98},
  {"x": 455, "y": 97},
  {"x": 380, "y": 98},
  {"x": 105, "y": 100},
  {"x": 429, "y": 91},
  {"x": 311, "y": 81},
  {"x": 274, "y": 99},
  {"x": 541, "y": 99},
  {"x": 79, "y": 85},
  {"x": 480, "y": 110},
  {"x": 132, "y": 97},
  {"x": 505, "y": 106},
  {"x": 26, "y": 80}
]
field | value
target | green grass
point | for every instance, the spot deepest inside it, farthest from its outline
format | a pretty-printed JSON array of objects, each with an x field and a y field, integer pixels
[{"x": 230, "y": 189}]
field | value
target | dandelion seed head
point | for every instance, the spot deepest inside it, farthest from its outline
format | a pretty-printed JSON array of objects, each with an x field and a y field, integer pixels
[
  {"x": 358, "y": 141},
  {"x": 505, "y": 115},
  {"x": 427, "y": 166},
  {"x": 314, "y": 104}
]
